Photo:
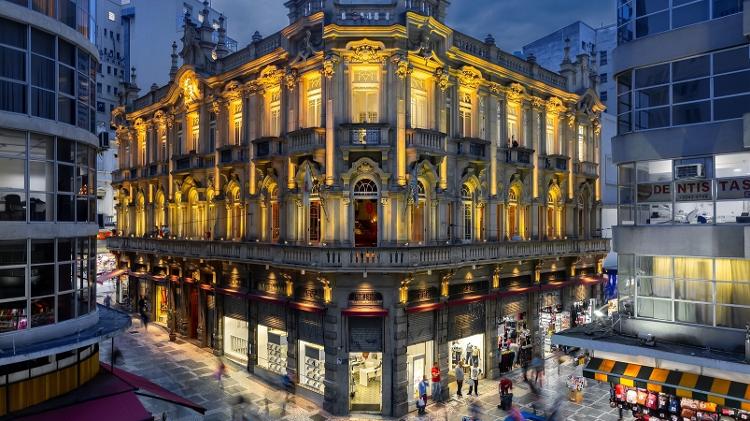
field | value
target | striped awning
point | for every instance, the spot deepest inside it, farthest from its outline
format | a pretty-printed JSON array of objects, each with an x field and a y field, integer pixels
[{"x": 686, "y": 385}]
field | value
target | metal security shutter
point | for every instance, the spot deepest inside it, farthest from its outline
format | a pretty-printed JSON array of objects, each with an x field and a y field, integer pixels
[
  {"x": 236, "y": 308},
  {"x": 420, "y": 327},
  {"x": 271, "y": 315},
  {"x": 365, "y": 334},
  {"x": 465, "y": 320},
  {"x": 515, "y": 305},
  {"x": 310, "y": 327}
]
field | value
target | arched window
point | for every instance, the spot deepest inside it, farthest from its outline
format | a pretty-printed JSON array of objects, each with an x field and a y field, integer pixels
[
  {"x": 365, "y": 188},
  {"x": 512, "y": 214},
  {"x": 468, "y": 205},
  {"x": 418, "y": 215},
  {"x": 551, "y": 215}
]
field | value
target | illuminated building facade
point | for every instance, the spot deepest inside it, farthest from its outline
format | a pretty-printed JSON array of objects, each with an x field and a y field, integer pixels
[
  {"x": 681, "y": 152},
  {"x": 50, "y": 326},
  {"x": 358, "y": 195}
]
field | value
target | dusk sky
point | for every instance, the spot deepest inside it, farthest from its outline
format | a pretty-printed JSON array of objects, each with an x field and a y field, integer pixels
[{"x": 512, "y": 22}]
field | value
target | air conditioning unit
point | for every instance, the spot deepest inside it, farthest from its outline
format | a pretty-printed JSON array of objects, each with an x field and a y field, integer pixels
[{"x": 689, "y": 171}]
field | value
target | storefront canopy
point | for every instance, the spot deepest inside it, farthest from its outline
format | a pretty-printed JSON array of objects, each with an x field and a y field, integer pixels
[
  {"x": 687, "y": 385},
  {"x": 109, "y": 275},
  {"x": 121, "y": 407}
]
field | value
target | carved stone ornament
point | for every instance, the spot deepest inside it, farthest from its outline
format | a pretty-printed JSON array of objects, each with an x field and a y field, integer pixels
[
  {"x": 365, "y": 168},
  {"x": 329, "y": 66},
  {"x": 170, "y": 120},
  {"x": 537, "y": 102},
  {"x": 597, "y": 125},
  {"x": 515, "y": 92},
  {"x": 496, "y": 88},
  {"x": 232, "y": 90},
  {"x": 291, "y": 78},
  {"x": 384, "y": 201},
  {"x": 160, "y": 119},
  {"x": 191, "y": 90},
  {"x": 253, "y": 87},
  {"x": 443, "y": 81},
  {"x": 571, "y": 119},
  {"x": 366, "y": 51},
  {"x": 555, "y": 105},
  {"x": 298, "y": 202},
  {"x": 403, "y": 67},
  {"x": 217, "y": 106},
  {"x": 470, "y": 77},
  {"x": 270, "y": 76}
]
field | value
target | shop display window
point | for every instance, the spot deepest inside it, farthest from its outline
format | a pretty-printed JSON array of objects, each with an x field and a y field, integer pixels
[
  {"x": 162, "y": 305},
  {"x": 235, "y": 339},
  {"x": 469, "y": 351},
  {"x": 272, "y": 349},
  {"x": 311, "y": 366},
  {"x": 514, "y": 342},
  {"x": 419, "y": 358},
  {"x": 366, "y": 381}
]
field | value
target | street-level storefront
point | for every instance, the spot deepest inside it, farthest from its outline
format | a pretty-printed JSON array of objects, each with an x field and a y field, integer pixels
[
  {"x": 552, "y": 317},
  {"x": 466, "y": 336},
  {"x": 513, "y": 332},
  {"x": 311, "y": 355},
  {"x": 272, "y": 337},
  {"x": 420, "y": 350},
  {"x": 236, "y": 328},
  {"x": 664, "y": 394}
]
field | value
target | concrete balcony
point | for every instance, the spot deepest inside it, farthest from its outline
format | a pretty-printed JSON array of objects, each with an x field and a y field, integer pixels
[
  {"x": 267, "y": 147},
  {"x": 429, "y": 141},
  {"x": 374, "y": 137},
  {"x": 724, "y": 241},
  {"x": 305, "y": 141},
  {"x": 348, "y": 259},
  {"x": 232, "y": 154},
  {"x": 588, "y": 169},
  {"x": 156, "y": 169},
  {"x": 472, "y": 148},
  {"x": 519, "y": 156},
  {"x": 556, "y": 163}
]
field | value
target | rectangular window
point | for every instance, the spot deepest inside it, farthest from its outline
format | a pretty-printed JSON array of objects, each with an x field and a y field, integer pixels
[
  {"x": 194, "y": 133},
  {"x": 365, "y": 95},
  {"x": 313, "y": 102},
  {"x": 513, "y": 133},
  {"x": 419, "y": 110},
  {"x": 603, "y": 78},
  {"x": 273, "y": 116},
  {"x": 468, "y": 221},
  {"x": 602, "y": 58},
  {"x": 211, "y": 132},
  {"x": 314, "y": 221},
  {"x": 582, "y": 139},
  {"x": 464, "y": 115}
]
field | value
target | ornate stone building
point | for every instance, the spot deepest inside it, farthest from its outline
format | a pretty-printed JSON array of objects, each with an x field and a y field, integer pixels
[{"x": 360, "y": 194}]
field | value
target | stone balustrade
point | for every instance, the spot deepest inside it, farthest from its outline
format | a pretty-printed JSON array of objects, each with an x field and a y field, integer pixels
[
  {"x": 427, "y": 140},
  {"x": 345, "y": 259},
  {"x": 305, "y": 140}
]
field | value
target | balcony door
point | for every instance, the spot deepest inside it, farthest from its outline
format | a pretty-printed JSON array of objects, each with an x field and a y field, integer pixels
[{"x": 365, "y": 213}]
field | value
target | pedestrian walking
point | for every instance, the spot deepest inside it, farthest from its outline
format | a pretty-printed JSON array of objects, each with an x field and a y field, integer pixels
[
  {"x": 437, "y": 387},
  {"x": 221, "y": 370},
  {"x": 505, "y": 388},
  {"x": 474, "y": 377},
  {"x": 422, "y": 390},
  {"x": 459, "y": 371},
  {"x": 107, "y": 301},
  {"x": 288, "y": 383}
]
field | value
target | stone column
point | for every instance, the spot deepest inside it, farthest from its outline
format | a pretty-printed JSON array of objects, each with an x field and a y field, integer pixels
[
  {"x": 218, "y": 325},
  {"x": 442, "y": 347},
  {"x": 400, "y": 379},
  {"x": 336, "y": 398},
  {"x": 292, "y": 351},
  {"x": 491, "y": 352}
]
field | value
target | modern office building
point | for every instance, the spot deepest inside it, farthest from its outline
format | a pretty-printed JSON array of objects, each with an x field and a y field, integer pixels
[
  {"x": 50, "y": 326},
  {"x": 351, "y": 214},
  {"x": 683, "y": 110},
  {"x": 599, "y": 43}
]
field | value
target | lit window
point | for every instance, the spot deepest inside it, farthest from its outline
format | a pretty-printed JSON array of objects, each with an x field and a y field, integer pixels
[
  {"x": 274, "y": 113},
  {"x": 468, "y": 212},
  {"x": 419, "y": 105},
  {"x": 464, "y": 115},
  {"x": 237, "y": 123},
  {"x": 581, "y": 142},
  {"x": 550, "y": 135},
  {"x": 513, "y": 123},
  {"x": 313, "y": 102},
  {"x": 111, "y": 16},
  {"x": 365, "y": 95}
]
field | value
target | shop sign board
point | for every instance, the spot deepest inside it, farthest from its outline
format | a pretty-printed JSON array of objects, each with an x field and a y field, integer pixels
[
  {"x": 270, "y": 287},
  {"x": 365, "y": 298},
  {"x": 684, "y": 191},
  {"x": 474, "y": 288},
  {"x": 423, "y": 295},
  {"x": 308, "y": 294},
  {"x": 732, "y": 188}
]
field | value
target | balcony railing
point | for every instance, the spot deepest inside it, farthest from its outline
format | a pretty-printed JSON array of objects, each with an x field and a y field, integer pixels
[
  {"x": 232, "y": 153},
  {"x": 192, "y": 161},
  {"x": 554, "y": 162},
  {"x": 268, "y": 146},
  {"x": 305, "y": 140},
  {"x": 471, "y": 147},
  {"x": 366, "y": 133},
  {"x": 518, "y": 155},
  {"x": 429, "y": 140},
  {"x": 118, "y": 176},
  {"x": 368, "y": 14},
  {"x": 133, "y": 173},
  {"x": 348, "y": 258},
  {"x": 586, "y": 168}
]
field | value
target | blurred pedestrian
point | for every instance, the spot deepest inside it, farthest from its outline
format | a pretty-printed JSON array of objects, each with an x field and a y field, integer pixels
[
  {"x": 116, "y": 356},
  {"x": 107, "y": 301},
  {"x": 459, "y": 371},
  {"x": 221, "y": 370},
  {"x": 474, "y": 377},
  {"x": 475, "y": 410},
  {"x": 437, "y": 387},
  {"x": 422, "y": 389},
  {"x": 515, "y": 414}
]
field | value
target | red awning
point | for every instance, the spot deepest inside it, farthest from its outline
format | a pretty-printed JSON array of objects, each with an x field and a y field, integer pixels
[
  {"x": 556, "y": 285},
  {"x": 232, "y": 292},
  {"x": 308, "y": 307},
  {"x": 467, "y": 300},
  {"x": 424, "y": 307},
  {"x": 109, "y": 275},
  {"x": 364, "y": 312},
  {"x": 515, "y": 291},
  {"x": 151, "y": 390},
  {"x": 121, "y": 407},
  {"x": 592, "y": 280}
]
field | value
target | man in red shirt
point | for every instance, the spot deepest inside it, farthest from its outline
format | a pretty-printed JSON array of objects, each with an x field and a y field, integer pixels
[{"x": 437, "y": 387}]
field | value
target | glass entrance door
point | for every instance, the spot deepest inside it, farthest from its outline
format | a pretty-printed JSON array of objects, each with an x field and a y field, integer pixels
[{"x": 366, "y": 382}]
